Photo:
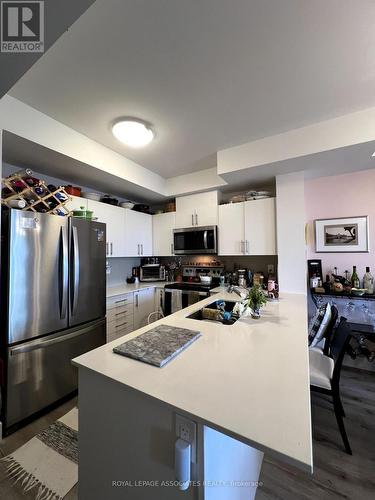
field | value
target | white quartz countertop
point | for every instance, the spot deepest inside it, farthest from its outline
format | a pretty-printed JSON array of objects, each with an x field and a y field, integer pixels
[
  {"x": 249, "y": 380},
  {"x": 112, "y": 291}
]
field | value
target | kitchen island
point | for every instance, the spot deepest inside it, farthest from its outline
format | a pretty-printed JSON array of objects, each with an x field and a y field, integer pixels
[{"x": 245, "y": 386}]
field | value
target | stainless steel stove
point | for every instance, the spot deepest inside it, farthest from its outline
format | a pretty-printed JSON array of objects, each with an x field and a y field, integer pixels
[{"x": 190, "y": 290}]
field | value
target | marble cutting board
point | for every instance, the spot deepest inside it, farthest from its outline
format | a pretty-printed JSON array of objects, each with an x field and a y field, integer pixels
[{"x": 158, "y": 345}]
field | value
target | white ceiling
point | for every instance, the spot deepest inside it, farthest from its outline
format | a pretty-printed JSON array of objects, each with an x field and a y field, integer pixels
[
  {"x": 22, "y": 153},
  {"x": 60, "y": 15},
  {"x": 208, "y": 74}
]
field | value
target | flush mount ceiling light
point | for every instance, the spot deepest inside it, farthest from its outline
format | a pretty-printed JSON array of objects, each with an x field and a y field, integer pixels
[{"x": 133, "y": 133}]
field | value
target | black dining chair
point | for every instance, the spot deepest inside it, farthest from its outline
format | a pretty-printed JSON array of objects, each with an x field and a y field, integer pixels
[
  {"x": 325, "y": 370},
  {"x": 329, "y": 331}
]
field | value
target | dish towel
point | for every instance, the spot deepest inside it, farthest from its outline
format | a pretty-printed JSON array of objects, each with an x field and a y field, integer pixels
[
  {"x": 48, "y": 463},
  {"x": 176, "y": 301}
]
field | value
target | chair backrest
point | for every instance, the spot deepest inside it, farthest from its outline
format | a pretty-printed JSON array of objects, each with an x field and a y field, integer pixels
[
  {"x": 338, "y": 346},
  {"x": 330, "y": 329}
]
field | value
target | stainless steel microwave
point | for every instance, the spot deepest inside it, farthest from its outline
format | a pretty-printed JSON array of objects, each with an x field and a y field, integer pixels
[{"x": 195, "y": 240}]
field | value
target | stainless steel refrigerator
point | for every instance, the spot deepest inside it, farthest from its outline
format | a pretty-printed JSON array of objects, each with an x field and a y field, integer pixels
[{"x": 53, "y": 282}]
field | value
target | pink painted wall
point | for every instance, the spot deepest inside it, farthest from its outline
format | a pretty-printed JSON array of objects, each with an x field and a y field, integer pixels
[{"x": 346, "y": 195}]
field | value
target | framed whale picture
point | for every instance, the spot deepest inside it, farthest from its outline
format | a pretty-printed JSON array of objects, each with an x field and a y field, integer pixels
[{"x": 345, "y": 234}]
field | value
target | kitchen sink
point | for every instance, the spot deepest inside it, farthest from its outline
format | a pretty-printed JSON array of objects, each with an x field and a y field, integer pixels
[{"x": 204, "y": 314}]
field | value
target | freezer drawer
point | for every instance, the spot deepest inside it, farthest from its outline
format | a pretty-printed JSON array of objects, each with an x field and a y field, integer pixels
[{"x": 40, "y": 372}]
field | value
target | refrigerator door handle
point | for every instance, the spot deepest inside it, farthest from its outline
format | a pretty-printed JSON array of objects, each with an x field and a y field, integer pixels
[
  {"x": 75, "y": 269},
  {"x": 39, "y": 344},
  {"x": 64, "y": 272}
]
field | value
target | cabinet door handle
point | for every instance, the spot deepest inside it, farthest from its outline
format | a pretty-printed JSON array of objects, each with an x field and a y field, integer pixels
[
  {"x": 242, "y": 246},
  {"x": 138, "y": 249},
  {"x": 247, "y": 246},
  {"x": 122, "y": 324},
  {"x": 192, "y": 219},
  {"x": 121, "y": 313},
  {"x": 119, "y": 301},
  {"x": 106, "y": 248},
  {"x": 136, "y": 300},
  {"x": 141, "y": 248},
  {"x": 172, "y": 248},
  {"x": 196, "y": 219},
  {"x": 111, "y": 248}
]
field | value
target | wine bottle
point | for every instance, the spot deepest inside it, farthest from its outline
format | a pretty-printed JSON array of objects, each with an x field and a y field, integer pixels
[
  {"x": 327, "y": 284},
  {"x": 355, "y": 280},
  {"x": 368, "y": 281}
]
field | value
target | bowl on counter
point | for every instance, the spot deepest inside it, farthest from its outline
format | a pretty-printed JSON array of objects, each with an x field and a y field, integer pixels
[
  {"x": 91, "y": 196},
  {"x": 358, "y": 291},
  {"x": 127, "y": 204}
]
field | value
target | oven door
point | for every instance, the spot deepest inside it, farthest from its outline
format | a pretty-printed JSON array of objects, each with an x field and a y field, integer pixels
[
  {"x": 175, "y": 299},
  {"x": 195, "y": 240}
]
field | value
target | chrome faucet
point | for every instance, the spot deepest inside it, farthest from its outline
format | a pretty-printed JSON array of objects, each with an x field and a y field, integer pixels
[{"x": 239, "y": 291}]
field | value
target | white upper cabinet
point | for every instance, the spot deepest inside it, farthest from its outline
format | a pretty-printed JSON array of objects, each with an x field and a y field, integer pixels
[
  {"x": 75, "y": 203},
  {"x": 162, "y": 234},
  {"x": 114, "y": 218},
  {"x": 138, "y": 234},
  {"x": 248, "y": 228},
  {"x": 231, "y": 229},
  {"x": 197, "y": 210},
  {"x": 260, "y": 227}
]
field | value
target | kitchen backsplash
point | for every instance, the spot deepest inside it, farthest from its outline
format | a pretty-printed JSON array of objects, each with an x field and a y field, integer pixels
[
  {"x": 231, "y": 263},
  {"x": 120, "y": 269}
]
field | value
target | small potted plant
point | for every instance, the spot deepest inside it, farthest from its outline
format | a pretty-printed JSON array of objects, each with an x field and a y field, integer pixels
[{"x": 256, "y": 300}]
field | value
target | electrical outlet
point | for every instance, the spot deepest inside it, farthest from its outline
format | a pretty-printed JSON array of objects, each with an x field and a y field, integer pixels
[
  {"x": 186, "y": 429},
  {"x": 270, "y": 269}
]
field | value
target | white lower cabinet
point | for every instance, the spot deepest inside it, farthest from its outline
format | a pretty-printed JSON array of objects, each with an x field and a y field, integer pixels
[
  {"x": 120, "y": 316},
  {"x": 130, "y": 311},
  {"x": 144, "y": 304},
  {"x": 248, "y": 228}
]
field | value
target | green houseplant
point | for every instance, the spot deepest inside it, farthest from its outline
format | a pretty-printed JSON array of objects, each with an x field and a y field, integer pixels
[{"x": 256, "y": 300}]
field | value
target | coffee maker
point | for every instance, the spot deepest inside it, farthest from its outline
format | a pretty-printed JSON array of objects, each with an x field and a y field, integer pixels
[{"x": 242, "y": 277}]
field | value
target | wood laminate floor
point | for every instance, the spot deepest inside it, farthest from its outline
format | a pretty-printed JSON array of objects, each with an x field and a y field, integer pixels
[{"x": 337, "y": 476}]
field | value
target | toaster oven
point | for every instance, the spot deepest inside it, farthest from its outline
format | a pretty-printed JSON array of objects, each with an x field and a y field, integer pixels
[{"x": 152, "y": 272}]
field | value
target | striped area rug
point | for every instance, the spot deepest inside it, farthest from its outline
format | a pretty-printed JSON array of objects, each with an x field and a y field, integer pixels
[{"x": 48, "y": 463}]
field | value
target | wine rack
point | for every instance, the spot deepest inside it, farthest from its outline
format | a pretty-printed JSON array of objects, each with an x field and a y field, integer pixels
[{"x": 17, "y": 188}]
